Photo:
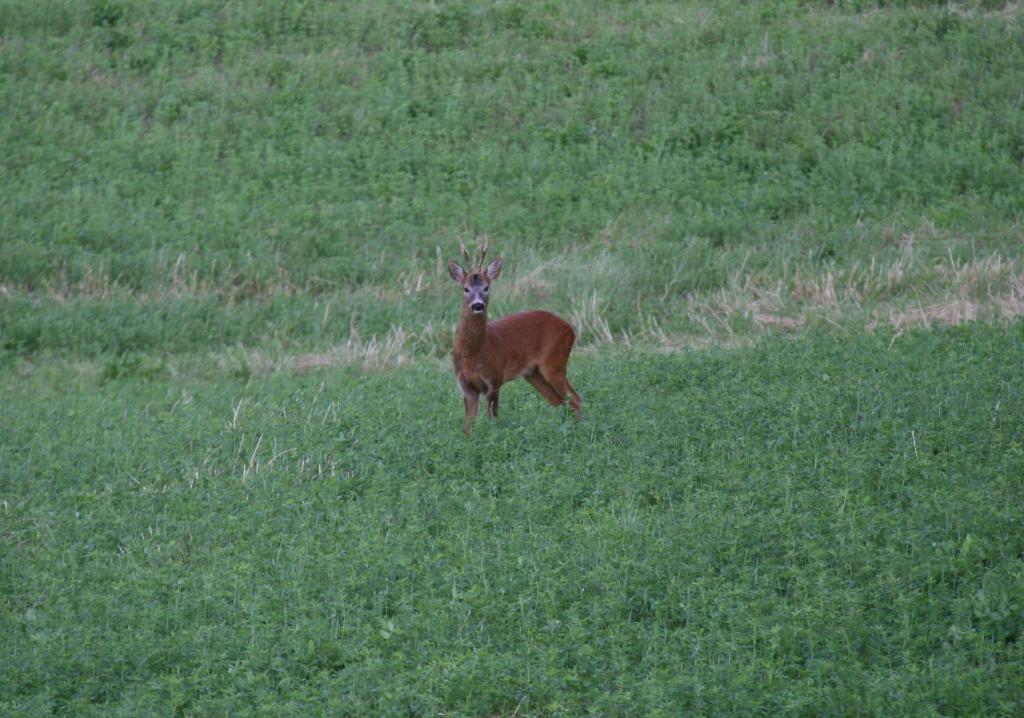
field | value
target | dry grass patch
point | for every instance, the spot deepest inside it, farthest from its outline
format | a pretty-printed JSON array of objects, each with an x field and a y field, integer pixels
[
  {"x": 1003, "y": 304},
  {"x": 902, "y": 293},
  {"x": 395, "y": 349},
  {"x": 591, "y": 325},
  {"x": 181, "y": 278}
]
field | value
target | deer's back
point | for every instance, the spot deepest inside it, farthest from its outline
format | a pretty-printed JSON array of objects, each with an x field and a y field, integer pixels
[
  {"x": 526, "y": 339},
  {"x": 535, "y": 324}
]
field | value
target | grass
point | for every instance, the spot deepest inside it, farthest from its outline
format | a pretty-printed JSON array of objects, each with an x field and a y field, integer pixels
[
  {"x": 257, "y": 163},
  {"x": 828, "y": 525},
  {"x": 232, "y": 476}
]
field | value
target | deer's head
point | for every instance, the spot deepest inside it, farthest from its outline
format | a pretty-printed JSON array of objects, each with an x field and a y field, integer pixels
[{"x": 475, "y": 283}]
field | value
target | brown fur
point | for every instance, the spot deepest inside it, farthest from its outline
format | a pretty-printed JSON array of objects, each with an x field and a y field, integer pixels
[{"x": 534, "y": 345}]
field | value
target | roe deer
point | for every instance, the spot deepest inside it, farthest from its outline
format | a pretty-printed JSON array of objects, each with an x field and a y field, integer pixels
[{"x": 534, "y": 345}]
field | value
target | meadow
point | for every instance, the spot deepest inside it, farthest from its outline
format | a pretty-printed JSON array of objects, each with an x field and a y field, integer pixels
[
  {"x": 232, "y": 474},
  {"x": 826, "y": 526}
]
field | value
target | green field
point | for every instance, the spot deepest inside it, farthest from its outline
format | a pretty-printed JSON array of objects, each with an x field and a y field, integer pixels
[
  {"x": 826, "y": 526},
  {"x": 233, "y": 479}
]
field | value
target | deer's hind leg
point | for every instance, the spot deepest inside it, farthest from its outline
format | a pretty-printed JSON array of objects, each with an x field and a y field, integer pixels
[
  {"x": 538, "y": 382},
  {"x": 554, "y": 376},
  {"x": 576, "y": 401}
]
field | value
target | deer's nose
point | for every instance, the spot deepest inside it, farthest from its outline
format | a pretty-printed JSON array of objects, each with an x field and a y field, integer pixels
[{"x": 477, "y": 306}]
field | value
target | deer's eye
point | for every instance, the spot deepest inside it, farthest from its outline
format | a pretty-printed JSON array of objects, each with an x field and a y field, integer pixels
[
  {"x": 465, "y": 290},
  {"x": 486, "y": 289}
]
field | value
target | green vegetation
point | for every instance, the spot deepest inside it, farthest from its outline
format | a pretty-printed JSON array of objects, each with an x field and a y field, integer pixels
[
  {"x": 223, "y": 229},
  {"x": 203, "y": 174},
  {"x": 831, "y": 525}
]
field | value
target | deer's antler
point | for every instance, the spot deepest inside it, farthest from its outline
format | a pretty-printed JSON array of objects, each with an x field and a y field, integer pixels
[
  {"x": 483, "y": 254},
  {"x": 469, "y": 261}
]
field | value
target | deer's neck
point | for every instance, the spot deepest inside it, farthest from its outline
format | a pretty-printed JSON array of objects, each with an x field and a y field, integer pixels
[{"x": 471, "y": 334}]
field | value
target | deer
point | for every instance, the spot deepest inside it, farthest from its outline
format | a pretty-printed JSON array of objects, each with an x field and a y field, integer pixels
[{"x": 534, "y": 345}]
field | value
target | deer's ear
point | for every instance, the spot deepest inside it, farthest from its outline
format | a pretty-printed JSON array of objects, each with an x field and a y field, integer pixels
[
  {"x": 457, "y": 272},
  {"x": 494, "y": 269}
]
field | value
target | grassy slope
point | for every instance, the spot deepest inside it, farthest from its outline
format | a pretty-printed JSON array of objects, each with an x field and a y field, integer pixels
[
  {"x": 199, "y": 195},
  {"x": 251, "y": 164},
  {"x": 826, "y": 525}
]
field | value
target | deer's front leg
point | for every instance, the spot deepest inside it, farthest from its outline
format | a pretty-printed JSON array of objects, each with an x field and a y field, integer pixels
[
  {"x": 492, "y": 403},
  {"x": 472, "y": 403}
]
